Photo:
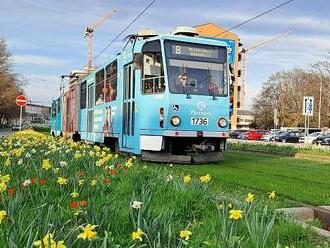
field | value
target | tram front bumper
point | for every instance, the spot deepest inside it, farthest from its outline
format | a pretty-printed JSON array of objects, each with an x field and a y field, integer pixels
[
  {"x": 206, "y": 134},
  {"x": 160, "y": 157}
]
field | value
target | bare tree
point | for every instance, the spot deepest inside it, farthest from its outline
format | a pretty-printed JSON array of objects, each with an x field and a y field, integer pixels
[
  {"x": 10, "y": 85},
  {"x": 285, "y": 90}
]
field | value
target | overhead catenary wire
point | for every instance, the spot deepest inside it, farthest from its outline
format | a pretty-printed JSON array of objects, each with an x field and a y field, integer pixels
[
  {"x": 255, "y": 17},
  {"x": 289, "y": 31},
  {"x": 125, "y": 29}
]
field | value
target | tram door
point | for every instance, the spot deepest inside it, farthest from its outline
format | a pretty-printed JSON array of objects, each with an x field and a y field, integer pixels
[
  {"x": 90, "y": 113},
  {"x": 128, "y": 107}
]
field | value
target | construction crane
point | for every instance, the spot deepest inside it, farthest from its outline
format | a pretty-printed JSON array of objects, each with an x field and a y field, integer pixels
[{"x": 89, "y": 36}]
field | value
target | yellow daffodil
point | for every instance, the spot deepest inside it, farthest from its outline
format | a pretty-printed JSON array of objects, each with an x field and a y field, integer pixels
[
  {"x": 205, "y": 179},
  {"x": 88, "y": 232},
  {"x": 3, "y": 215},
  {"x": 129, "y": 163},
  {"x": 62, "y": 180},
  {"x": 77, "y": 155},
  {"x": 137, "y": 235},
  {"x": 187, "y": 179},
  {"x": 5, "y": 179},
  {"x": 97, "y": 148},
  {"x": 81, "y": 182},
  {"x": 185, "y": 234},
  {"x": 8, "y": 162},
  {"x": 3, "y": 187},
  {"x": 56, "y": 170},
  {"x": 60, "y": 244},
  {"x": 46, "y": 164},
  {"x": 93, "y": 182},
  {"x": 74, "y": 195},
  {"x": 46, "y": 242},
  {"x": 249, "y": 198},
  {"x": 230, "y": 205},
  {"x": 272, "y": 195},
  {"x": 235, "y": 214}
]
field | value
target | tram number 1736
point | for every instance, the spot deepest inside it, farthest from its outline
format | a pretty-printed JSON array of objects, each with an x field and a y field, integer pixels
[{"x": 199, "y": 121}]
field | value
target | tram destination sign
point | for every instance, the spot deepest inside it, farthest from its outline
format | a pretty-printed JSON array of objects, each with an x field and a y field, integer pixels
[{"x": 195, "y": 51}]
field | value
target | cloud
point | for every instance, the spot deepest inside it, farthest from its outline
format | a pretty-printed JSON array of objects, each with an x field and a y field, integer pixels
[
  {"x": 39, "y": 60},
  {"x": 42, "y": 88}
]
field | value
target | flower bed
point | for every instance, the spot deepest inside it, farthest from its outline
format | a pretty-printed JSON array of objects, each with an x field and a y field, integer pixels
[{"x": 62, "y": 194}]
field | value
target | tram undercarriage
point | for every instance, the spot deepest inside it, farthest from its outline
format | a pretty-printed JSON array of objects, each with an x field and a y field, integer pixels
[{"x": 187, "y": 150}]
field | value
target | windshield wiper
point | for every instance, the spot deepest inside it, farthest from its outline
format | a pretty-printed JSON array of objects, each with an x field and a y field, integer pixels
[
  {"x": 209, "y": 80},
  {"x": 184, "y": 81}
]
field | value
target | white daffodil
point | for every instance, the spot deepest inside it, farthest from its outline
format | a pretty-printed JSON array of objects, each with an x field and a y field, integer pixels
[
  {"x": 136, "y": 204},
  {"x": 169, "y": 178},
  {"x": 26, "y": 182}
]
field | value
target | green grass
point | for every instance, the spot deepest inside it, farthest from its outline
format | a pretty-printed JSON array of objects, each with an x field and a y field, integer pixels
[
  {"x": 169, "y": 205},
  {"x": 272, "y": 148},
  {"x": 302, "y": 181}
]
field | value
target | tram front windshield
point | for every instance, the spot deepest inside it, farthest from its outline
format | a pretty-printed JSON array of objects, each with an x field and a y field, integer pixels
[{"x": 196, "y": 69}]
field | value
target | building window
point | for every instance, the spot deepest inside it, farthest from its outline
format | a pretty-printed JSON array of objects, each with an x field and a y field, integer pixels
[
  {"x": 239, "y": 74},
  {"x": 110, "y": 90},
  {"x": 99, "y": 82},
  {"x": 238, "y": 104},
  {"x": 239, "y": 88},
  {"x": 83, "y": 94},
  {"x": 239, "y": 56},
  {"x": 152, "y": 69}
]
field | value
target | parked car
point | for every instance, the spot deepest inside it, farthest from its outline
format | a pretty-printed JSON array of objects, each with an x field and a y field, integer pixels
[
  {"x": 255, "y": 134},
  {"x": 319, "y": 139},
  {"x": 15, "y": 127},
  {"x": 242, "y": 134},
  {"x": 326, "y": 140},
  {"x": 235, "y": 134},
  {"x": 271, "y": 136},
  {"x": 309, "y": 139},
  {"x": 290, "y": 137}
]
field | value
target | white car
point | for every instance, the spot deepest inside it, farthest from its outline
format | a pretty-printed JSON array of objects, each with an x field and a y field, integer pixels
[
  {"x": 268, "y": 137},
  {"x": 310, "y": 138}
]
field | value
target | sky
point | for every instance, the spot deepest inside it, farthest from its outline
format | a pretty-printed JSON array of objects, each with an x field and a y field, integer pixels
[{"x": 46, "y": 38}]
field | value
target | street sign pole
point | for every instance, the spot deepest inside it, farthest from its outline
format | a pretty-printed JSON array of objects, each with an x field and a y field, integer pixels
[
  {"x": 20, "y": 118},
  {"x": 308, "y": 109},
  {"x": 20, "y": 101},
  {"x": 305, "y": 125}
]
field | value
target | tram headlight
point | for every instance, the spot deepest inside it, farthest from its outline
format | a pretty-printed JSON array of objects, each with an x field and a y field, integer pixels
[
  {"x": 222, "y": 122},
  {"x": 175, "y": 121}
]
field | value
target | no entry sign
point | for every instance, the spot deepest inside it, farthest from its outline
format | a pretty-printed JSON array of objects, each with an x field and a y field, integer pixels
[{"x": 21, "y": 100}]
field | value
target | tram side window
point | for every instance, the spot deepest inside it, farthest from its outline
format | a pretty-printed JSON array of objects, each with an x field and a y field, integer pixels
[
  {"x": 83, "y": 95},
  {"x": 110, "y": 90},
  {"x": 58, "y": 106},
  {"x": 153, "y": 69},
  {"x": 99, "y": 82},
  {"x": 54, "y": 109}
]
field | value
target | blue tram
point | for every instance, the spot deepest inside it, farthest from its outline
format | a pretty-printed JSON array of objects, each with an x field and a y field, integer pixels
[{"x": 164, "y": 98}]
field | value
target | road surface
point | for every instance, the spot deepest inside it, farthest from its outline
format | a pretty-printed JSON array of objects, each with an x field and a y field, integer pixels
[{"x": 5, "y": 132}]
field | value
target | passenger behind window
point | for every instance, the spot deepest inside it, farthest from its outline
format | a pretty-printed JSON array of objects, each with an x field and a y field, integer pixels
[
  {"x": 110, "y": 93},
  {"x": 100, "y": 100}
]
